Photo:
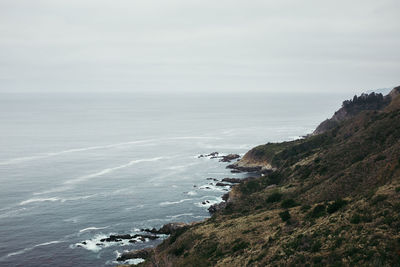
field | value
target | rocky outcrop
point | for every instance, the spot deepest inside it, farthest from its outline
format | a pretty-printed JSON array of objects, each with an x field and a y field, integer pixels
[
  {"x": 229, "y": 157},
  {"x": 136, "y": 254},
  {"x": 216, "y": 155},
  {"x": 166, "y": 229},
  {"x": 350, "y": 108},
  {"x": 216, "y": 207}
]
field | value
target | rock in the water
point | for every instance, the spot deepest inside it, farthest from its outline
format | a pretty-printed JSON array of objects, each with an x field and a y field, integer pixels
[
  {"x": 136, "y": 254},
  {"x": 229, "y": 157},
  {"x": 222, "y": 184},
  {"x": 212, "y": 155},
  {"x": 153, "y": 231},
  {"x": 232, "y": 180}
]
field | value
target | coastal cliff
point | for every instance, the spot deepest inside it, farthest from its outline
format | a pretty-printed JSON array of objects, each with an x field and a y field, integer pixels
[{"x": 332, "y": 198}]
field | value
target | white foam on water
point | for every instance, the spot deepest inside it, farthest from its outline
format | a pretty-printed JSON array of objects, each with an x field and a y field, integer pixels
[
  {"x": 53, "y": 190},
  {"x": 92, "y": 228},
  {"x": 31, "y": 200},
  {"x": 212, "y": 187},
  {"x": 209, "y": 202},
  {"x": 166, "y": 203},
  {"x": 92, "y": 244},
  {"x": 54, "y": 199},
  {"x": 130, "y": 261},
  {"x": 33, "y": 247},
  {"x": 109, "y": 170},
  {"x": 191, "y": 193},
  {"x": 13, "y": 213},
  {"x": 74, "y": 150}
]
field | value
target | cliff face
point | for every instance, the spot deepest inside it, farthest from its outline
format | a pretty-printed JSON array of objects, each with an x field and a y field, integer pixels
[{"x": 332, "y": 199}]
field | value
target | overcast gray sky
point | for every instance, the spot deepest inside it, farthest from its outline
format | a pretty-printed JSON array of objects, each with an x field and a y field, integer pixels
[{"x": 204, "y": 45}]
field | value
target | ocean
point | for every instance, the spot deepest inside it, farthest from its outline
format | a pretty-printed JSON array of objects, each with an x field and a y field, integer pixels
[{"x": 77, "y": 168}]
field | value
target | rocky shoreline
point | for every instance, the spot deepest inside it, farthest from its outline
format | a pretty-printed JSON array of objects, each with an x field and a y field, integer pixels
[{"x": 174, "y": 227}]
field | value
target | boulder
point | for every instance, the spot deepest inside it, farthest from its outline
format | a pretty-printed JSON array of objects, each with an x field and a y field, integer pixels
[
  {"x": 136, "y": 254},
  {"x": 229, "y": 157}
]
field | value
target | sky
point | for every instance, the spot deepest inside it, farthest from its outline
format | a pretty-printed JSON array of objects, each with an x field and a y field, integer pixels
[{"x": 198, "y": 45}]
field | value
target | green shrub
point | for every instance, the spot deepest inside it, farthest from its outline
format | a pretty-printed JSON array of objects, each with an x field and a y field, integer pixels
[
  {"x": 378, "y": 199},
  {"x": 274, "y": 197},
  {"x": 285, "y": 215},
  {"x": 355, "y": 219},
  {"x": 316, "y": 246},
  {"x": 288, "y": 203},
  {"x": 239, "y": 244},
  {"x": 318, "y": 211},
  {"x": 380, "y": 157},
  {"x": 397, "y": 189},
  {"x": 335, "y": 206},
  {"x": 305, "y": 208}
]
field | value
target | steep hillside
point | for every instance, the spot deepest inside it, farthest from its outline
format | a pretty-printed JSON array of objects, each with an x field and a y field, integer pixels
[
  {"x": 331, "y": 199},
  {"x": 350, "y": 108}
]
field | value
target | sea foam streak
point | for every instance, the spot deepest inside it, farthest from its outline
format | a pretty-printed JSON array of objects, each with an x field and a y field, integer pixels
[
  {"x": 33, "y": 247},
  {"x": 53, "y": 199},
  {"x": 108, "y": 170},
  {"x": 74, "y": 150},
  {"x": 92, "y": 228},
  {"x": 166, "y": 203}
]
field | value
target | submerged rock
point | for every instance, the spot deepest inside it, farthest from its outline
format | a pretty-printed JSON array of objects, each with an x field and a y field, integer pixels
[{"x": 211, "y": 155}]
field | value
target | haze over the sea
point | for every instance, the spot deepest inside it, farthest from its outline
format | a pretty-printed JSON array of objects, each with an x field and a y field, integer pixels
[{"x": 198, "y": 46}]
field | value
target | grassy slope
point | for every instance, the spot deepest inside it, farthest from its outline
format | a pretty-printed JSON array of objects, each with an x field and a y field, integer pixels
[{"x": 298, "y": 222}]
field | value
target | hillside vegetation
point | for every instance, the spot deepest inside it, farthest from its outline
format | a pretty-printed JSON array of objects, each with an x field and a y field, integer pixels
[{"x": 333, "y": 199}]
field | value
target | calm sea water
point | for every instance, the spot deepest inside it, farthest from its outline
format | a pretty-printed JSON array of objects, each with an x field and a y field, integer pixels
[{"x": 77, "y": 168}]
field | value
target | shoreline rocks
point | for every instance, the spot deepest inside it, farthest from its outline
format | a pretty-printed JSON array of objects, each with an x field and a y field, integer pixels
[
  {"x": 215, "y": 155},
  {"x": 166, "y": 229},
  {"x": 229, "y": 157},
  {"x": 136, "y": 254}
]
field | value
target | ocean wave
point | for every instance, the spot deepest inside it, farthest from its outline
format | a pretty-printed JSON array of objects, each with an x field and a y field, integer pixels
[
  {"x": 33, "y": 247},
  {"x": 167, "y": 203},
  {"x": 130, "y": 261},
  {"x": 53, "y": 190},
  {"x": 31, "y": 200},
  {"x": 109, "y": 170},
  {"x": 83, "y": 149},
  {"x": 92, "y": 228},
  {"x": 68, "y": 151},
  {"x": 54, "y": 199},
  {"x": 191, "y": 193},
  {"x": 12, "y": 213},
  {"x": 95, "y": 244},
  {"x": 208, "y": 203},
  {"x": 213, "y": 187}
]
